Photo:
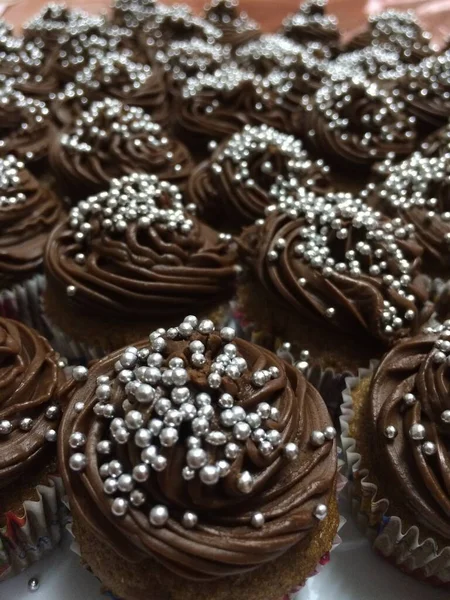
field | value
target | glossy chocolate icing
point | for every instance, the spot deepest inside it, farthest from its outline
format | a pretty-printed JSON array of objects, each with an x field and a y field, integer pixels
[{"x": 223, "y": 543}]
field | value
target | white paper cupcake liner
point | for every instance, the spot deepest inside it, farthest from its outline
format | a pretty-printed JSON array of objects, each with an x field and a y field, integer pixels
[
  {"x": 26, "y": 539},
  {"x": 404, "y": 546}
]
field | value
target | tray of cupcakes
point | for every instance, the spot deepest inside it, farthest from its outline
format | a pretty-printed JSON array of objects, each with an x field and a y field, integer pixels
[{"x": 225, "y": 318}]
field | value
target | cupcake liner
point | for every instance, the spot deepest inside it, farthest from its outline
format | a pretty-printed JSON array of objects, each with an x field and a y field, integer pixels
[
  {"x": 26, "y": 539},
  {"x": 340, "y": 484},
  {"x": 23, "y": 302},
  {"x": 402, "y": 545}
]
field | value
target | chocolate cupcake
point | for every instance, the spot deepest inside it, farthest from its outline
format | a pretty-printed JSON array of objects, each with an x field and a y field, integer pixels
[
  {"x": 275, "y": 51},
  {"x": 113, "y": 75},
  {"x": 333, "y": 276},
  {"x": 197, "y": 461},
  {"x": 31, "y": 394},
  {"x": 236, "y": 185},
  {"x": 401, "y": 29},
  {"x": 215, "y": 106},
  {"x": 417, "y": 191},
  {"x": 395, "y": 427},
  {"x": 112, "y": 139},
  {"x": 358, "y": 122},
  {"x": 311, "y": 24},
  {"x": 426, "y": 89},
  {"x": 187, "y": 58},
  {"x": 24, "y": 125},
  {"x": 236, "y": 26},
  {"x": 28, "y": 212},
  {"x": 130, "y": 257}
]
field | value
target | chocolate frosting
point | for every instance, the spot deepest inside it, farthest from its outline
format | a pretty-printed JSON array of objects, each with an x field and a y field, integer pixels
[
  {"x": 162, "y": 264},
  {"x": 437, "y": 143},
  {"x": 358, "y": 122},
  {"x": 28, "y": 212},
  {"x": 236, "y": 26},
  {"x": 234, "y": 185},
  {"x": 417, "y": 190},
  {"x": 311, "y": 23},
  {"x": 30, "y": 390},
  {"x": 426, "y": 89},
  {"x": 418, "y": 473},
  {"x": 214, "y": 107},
  {"x": 335, "y": 260},
  {"x": 224, "y": 543},
  {"x": 112, "y": 139},
  {"x": 24, "y": 125},
  {"x": 113, "y": 75}
]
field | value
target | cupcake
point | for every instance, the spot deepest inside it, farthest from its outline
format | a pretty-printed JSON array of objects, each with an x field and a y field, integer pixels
[
  {"x": 357, "y": 122},
  {"x": 215, "y": 472},
  {"x": 131, "y": 257},
  {"x": 334, "y": 277},
  {"x": 275, "y": 51},
  {"x": 113, "y": 75},
  {"x": 311, "y": 24},
  {"x": 28, "y": 212},
  {"x": 236, "y": 26},
  {"x": 233, "y": 188},
  {"x": 416, "y": 190},
  {"x": 395, "y": 425},
  {"x": 31, "y": 392},
  {"x": 215, "y": 106},
  {"x": 182, "y": 59},
  {"x": 111, "y": 139},
  {"x": 426, "y": 89},
  {"x": 398, "y": 28},
  {"x": 24, "y": 125}
]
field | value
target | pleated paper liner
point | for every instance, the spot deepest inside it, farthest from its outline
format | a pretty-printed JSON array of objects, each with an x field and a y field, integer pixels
[{"x": 402, "y": 545}]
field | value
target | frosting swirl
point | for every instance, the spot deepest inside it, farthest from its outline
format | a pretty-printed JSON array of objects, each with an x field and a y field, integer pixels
[
  {"x": 437, "y": 143},
  {"x": 417, "y": 191},
  {"x": 236, "y": 26},
  {"x": 112, "y": 139},
  {"x": 28, "y": 212},
  {"x": 215, "y": 106},
  {"x": 134, "y": 252},
  {"x": 409, "y": 416},
  {"x": 30, "y": 391},
  {"x": 24, "y": 125},
  {"x": 234, "y": 186},
  {"x": 113, "y": 75},
  {"x": 358, "y": 122},
  {"x": 218, "y": 471},
  {"x": 335, "y": 260}
]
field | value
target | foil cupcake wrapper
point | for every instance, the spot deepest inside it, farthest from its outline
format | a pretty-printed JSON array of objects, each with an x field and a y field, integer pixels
[
  {"x": 402, "y": 545},
  {"x": 28, "y": 538},
  {"x": 23, "y": 302}
]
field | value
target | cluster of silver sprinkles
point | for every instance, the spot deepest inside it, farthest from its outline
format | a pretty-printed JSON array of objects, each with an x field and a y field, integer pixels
[
  {"x": 258, "y": 139},
  {"x": 412, "y": 182},
  {"x": 281, "y": 50},
  {"x": 179, "y": 14},
  {"x": 401, "y": 27},
  {"x": 380, "y": 61},
  {"x": 431, "y": 77},
  {"x": 387, "y": 117},
  {"x": 440, "y": 356},
  {"x": 163, "y": 409},
  {"x": 132, "y": 199},
  {"x": 182, "y": 57},
  {"x": 134, "y": 12},
  {"x": 111, "y": 117},
  {"x": 376, "y": 253},
  {"x": 58, "y": 18},
  {"x": 10, "y": 168},
  {"x": 227, "y": 15},
  {"x": 310, "y": 13}
]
